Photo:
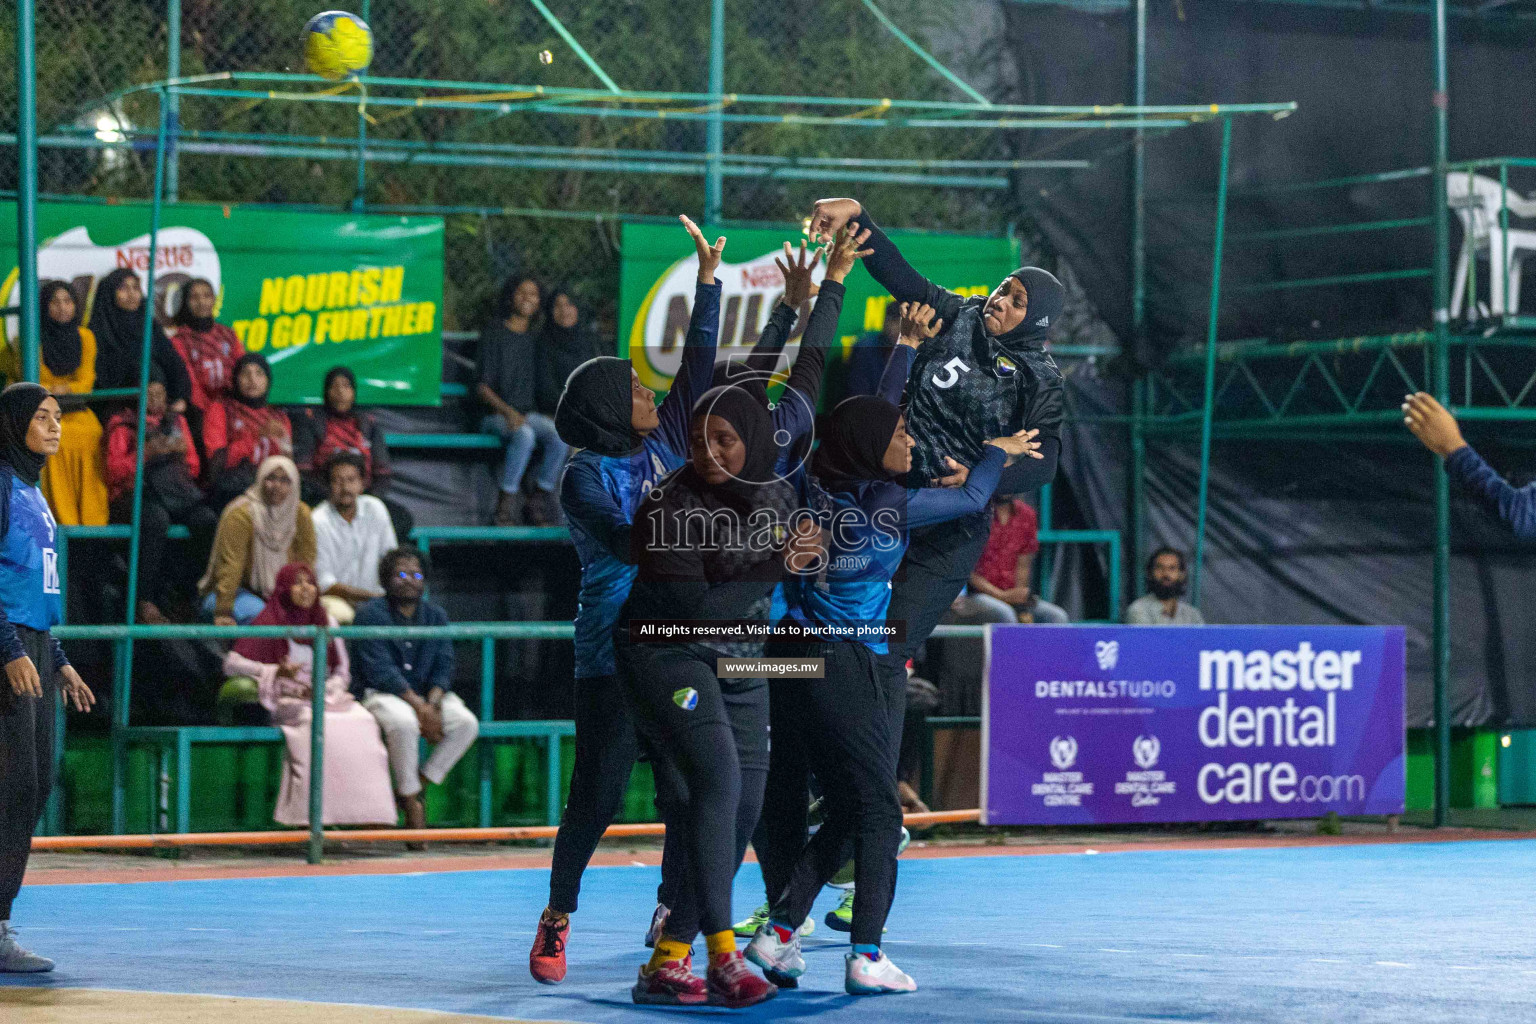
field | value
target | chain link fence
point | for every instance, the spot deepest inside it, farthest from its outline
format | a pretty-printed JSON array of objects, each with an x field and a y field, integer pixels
[{"x": 260, "y": 150}]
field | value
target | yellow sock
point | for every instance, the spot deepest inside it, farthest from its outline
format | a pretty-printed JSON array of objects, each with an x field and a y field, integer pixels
[
  {"x": 721, "y": 943},
  {"x": 666, "y": 950}
]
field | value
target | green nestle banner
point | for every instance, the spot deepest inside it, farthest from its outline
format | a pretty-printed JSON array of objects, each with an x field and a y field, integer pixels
[
  {"x": 660, "y": 269},
  {"x": 307, "y": 290}
]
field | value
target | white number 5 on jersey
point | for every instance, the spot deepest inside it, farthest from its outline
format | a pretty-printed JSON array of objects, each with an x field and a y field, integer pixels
[{"x": 952, "y": 371}]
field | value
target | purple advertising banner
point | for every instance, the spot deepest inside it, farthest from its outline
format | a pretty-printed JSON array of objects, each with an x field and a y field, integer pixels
[{"x": 1092, "y": 725}]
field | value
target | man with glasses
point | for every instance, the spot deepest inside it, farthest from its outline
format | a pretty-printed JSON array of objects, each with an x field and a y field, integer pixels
[{"x": 407, "y": 684}]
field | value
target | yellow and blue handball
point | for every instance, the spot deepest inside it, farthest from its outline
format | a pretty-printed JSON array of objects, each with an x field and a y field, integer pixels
[{"x": 337, "y": 44}]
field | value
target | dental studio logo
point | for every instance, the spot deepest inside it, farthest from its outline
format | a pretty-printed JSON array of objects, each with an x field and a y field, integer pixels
[{"x": 1108, "y": 654}]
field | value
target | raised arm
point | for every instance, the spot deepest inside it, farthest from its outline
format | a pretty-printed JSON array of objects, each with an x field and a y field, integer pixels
[
  {"x": 698, "y": 363},
  {"x": 885, "y": 263},
  {"x": 1516, "y": 506},
  {"x": 764, "y": 358},
  {"x": 1433, "y": 424}
]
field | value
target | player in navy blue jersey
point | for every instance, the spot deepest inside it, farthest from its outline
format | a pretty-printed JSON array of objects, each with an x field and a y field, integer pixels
[
  {"x": 983, "y": 373},
  {"x": 37, "y": 674}
]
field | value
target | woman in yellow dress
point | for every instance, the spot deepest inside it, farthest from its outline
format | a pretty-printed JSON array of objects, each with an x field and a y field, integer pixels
[{"x": 73, "y": 481}]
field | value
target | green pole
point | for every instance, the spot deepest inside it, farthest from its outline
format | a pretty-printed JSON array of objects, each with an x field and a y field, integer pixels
[
  {"x": 1441, "y": 639},
  {"x": 26, "y": 185},
  {"x": 318, "y": 674},
  {"x": 1138, "y": 484},
  {"x": 144, "y": 356},
  {"x": 1210, "y": 359},
  {"x": 173, "y": 70},
  {"x": 714, "y": 137},
  {"x": 359, "y": 197},
  {"x": 1138, "y": 309}
]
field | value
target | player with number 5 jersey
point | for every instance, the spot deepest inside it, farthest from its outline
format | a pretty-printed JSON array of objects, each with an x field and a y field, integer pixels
[{"x": 978, "y": 369}]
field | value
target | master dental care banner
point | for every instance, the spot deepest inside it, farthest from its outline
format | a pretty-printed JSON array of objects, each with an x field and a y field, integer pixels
[
  {"x": 307, "y": 290},
  {"x": 660, "y": 270},
  {"x": 1119, "y": 724}
]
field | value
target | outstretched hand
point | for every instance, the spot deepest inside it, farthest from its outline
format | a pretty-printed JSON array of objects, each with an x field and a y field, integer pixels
[
  {"x": 797, "y": 269},
  {"x": 1019, "y": 444},
  {"x": 845, "y": 252},
  {"x": 709, "y": 255},
  {"x": 1432, "y": 423},
  {"x": 829, "y": 216}
]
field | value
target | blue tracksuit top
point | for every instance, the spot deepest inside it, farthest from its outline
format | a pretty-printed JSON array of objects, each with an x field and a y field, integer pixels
[
  {"x": 601, "y": 492},
  {"x": 29, "y": 568}
]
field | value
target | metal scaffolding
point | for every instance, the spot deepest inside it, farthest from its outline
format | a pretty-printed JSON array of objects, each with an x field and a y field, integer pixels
[{"x": 1129, "y": 125}]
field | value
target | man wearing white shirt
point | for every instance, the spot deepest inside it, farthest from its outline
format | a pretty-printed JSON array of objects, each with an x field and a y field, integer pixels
[{"x": 352, "y": 532}]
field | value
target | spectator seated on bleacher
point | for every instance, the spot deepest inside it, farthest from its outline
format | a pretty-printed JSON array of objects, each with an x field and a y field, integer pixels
[
  {"x": 241, "y": 430},
  {"x": 408, "y": 684},
  {"x": 508, "y": 377},
  {"x": 259, "y": 532},
  {"x": 117, "y": 320},
  {"x": 72, "y": 480},
  {"x": 170, "y": 492},
  {"x": 208, "y": 348},
  {"x": 999, "y": 589},
  {"x": 1167, "y": 576},
  {"x": 280, "y": 670},
  {"x": 339, "y": 425},
  {"x": 352, "y": 532}
]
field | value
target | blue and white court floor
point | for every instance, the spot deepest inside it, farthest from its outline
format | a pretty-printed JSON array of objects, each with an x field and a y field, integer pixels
[{"x": 1391, "y": 933}]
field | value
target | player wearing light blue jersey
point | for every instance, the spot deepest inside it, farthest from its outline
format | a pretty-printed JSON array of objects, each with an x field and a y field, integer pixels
[{"x": 37, "y": 674}]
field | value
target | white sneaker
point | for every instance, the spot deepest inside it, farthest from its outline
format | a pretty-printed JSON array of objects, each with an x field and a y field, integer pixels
[
  {"x": 658, "y": 922},
  {"x": 781, "y": 961},
  {"x": 15, "y": 960},
  {"x": 867, "y": 977}
]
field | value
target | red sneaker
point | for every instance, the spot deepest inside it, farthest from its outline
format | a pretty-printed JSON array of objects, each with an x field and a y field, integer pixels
[
  {"x": 672, "y": 984},
  {"x": 546, "y": 962},
  {"x": 732, "y": 983}
]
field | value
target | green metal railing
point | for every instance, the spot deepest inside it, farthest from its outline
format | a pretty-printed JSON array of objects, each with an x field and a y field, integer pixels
[{"x": 123, "y": 734}]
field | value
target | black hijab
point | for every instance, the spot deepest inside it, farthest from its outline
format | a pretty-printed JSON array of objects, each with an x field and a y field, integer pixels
[
  {"x": 234, "y": 380},
  {"x": 61, "y": 342},
  {"x": 120, "y": 334},
  {"x": 184, "y": 317},
  {"x": 18, "y": 404},
  {"x": 1046, "y": 299},
  {"x": 325, "y": 390},
  {"x": 755, "y": 489},
  {"x": 738, "y": 373},
  {"x": 561, "y": 351},
  {"x": 594, "y": 408},
  {"x": 854, "y": 439}
]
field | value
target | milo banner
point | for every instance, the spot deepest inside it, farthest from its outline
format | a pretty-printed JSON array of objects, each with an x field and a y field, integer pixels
[
  {"x": 1101, "y": 725},
  {"x": 307, "y": 290},
  {"x": 660, "y": 271}
]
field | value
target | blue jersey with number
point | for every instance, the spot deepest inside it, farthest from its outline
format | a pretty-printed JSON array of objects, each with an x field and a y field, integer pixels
[{"x": 29, "y": 564}]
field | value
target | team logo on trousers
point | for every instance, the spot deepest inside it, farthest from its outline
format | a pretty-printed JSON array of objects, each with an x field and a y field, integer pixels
[
  {"x": 687, "y": 698},
  {"x": 1108, "y": 653},
  {"x": 1145, "y": 750},
  {"x": 1063, "y": 752}
]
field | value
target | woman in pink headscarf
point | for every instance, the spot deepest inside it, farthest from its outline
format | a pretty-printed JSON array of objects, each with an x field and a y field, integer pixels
[{"x": 357, "y": 786}]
